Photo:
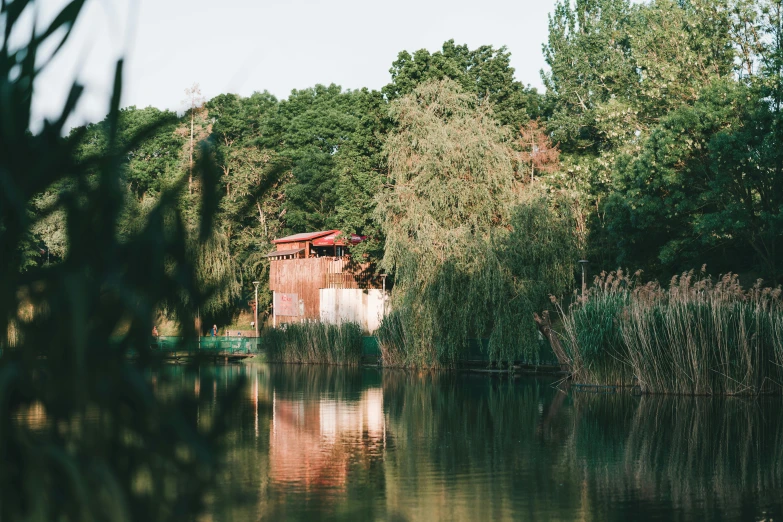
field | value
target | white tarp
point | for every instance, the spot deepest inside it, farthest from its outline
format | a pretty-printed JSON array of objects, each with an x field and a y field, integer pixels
[{"x": 365, "y": 307}]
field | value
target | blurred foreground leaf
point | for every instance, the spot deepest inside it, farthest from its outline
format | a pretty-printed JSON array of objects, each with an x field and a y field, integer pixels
[{"x": 84, "y": 435}]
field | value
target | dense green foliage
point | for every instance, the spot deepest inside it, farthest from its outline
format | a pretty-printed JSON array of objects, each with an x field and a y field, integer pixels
[
  {"x": 333, "y": 140},
  {"x": 315, "y": 343},
  {"x": 714, "y": 162},
  {"x": 472, "y": 249},
  {"x": 485, "y": 72},
  {"x": 669, "y": 117}
]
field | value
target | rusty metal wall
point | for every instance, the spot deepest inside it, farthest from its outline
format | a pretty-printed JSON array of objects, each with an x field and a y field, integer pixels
[{"x": 306, "y": 277}]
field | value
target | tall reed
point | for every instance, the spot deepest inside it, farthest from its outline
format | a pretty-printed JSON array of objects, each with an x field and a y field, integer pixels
[
  {"x": 698, "y": 337},
  {"x": 315, "y": 342},
  {"x": 395, "y": 341}
]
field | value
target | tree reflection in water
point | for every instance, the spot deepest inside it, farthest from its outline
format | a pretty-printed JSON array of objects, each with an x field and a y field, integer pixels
[{"x": 324, "y": 442}]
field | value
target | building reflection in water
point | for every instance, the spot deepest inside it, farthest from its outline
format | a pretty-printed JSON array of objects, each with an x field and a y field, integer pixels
[{"x": 313, "y": 442}]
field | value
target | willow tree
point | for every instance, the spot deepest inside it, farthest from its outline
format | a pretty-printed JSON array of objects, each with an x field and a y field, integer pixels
[{"x": 453, "y": 214}]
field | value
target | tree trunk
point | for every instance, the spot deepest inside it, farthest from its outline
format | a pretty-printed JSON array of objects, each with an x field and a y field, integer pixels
[
  {"x": 545, "y": 327},
  {"x": 190, "y": 175}
]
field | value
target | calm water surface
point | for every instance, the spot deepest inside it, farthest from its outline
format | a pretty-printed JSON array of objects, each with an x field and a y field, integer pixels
[{"x": 323, "y": 443}]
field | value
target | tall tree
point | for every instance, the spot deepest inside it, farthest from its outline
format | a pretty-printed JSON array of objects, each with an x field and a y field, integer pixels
[
  {"x": 590, "y": 64},
  {"x": 318, "y": 130},
  {"x": 195, "y": 101},
  {"x": 617, "y": 69},
  {"x": 705, "y": 188},
  {"x": 362, "y": 174},
  {"x": 454, "y": 214},
  {"x": 484, "y": 71},
  {"x": 252, "y": 183}
]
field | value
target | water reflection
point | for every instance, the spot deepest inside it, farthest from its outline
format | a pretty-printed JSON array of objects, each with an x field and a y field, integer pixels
[
  {"x": 716, "y": 455},
  {"x": 329, "y": 443},
  {"x": 312, "y": 442}
]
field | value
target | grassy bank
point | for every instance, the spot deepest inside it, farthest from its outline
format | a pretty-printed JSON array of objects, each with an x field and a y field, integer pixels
[
  {"x": 316, "y": 343},
  {"x": 698, "y": 337}
]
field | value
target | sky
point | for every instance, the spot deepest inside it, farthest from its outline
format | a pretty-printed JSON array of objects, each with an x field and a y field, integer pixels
[{"x": 242, "y": 46}]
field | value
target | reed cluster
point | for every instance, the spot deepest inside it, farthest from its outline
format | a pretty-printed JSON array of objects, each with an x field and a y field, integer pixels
[
  {"x": 396, "y": 343},
  {"x": 316, "y": 343},
  {"x": 698, "y": 337}
]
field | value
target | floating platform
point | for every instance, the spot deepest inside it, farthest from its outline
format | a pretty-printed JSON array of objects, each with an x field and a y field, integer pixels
[{"x": 210, "y": 356}]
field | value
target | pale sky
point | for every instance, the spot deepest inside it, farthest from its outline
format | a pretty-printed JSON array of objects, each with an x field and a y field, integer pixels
[{"x": 242, "y": 46}]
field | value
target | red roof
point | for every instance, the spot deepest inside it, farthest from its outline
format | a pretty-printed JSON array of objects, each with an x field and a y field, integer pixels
[
  {"x": 306, "y": 236},
  {"x": 330, "y": 240}
]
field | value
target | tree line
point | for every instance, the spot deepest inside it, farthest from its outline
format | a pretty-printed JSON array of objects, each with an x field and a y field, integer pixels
[{"x": 656, "y": 145}]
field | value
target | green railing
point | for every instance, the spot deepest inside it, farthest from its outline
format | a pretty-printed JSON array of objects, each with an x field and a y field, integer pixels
[
  {"x": 233, "y": 345},
  {"x": 209, "y": 345}
]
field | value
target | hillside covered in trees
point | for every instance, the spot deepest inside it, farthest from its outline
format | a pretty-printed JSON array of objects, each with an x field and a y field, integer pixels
[{"x": 657, "y": 144}]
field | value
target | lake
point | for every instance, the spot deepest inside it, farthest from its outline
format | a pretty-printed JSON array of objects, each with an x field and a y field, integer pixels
[{"x": 327, "y": 443}]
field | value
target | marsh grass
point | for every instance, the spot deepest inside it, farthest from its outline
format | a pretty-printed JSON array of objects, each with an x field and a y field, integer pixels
[
  {"x": 397, "y": 344},
  {"x": 698, "y": 337},
  {"x": 316, "y": 343}
]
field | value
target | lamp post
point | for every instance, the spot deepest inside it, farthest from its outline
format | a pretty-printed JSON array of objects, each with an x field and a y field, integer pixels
[
  {"x": 255, "y": 284},
  {"x": 584, "y": 263}
]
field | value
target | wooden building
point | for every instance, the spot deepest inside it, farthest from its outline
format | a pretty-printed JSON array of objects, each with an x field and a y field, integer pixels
[{"x": 313, "y": 277}]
